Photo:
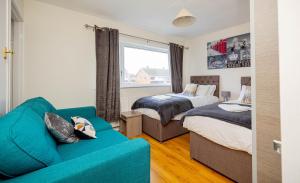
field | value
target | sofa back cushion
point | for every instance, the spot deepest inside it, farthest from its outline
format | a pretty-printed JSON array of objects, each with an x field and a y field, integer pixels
[
  {"x": 39, "y": 105},
  {"x": 25, "y": 143}
]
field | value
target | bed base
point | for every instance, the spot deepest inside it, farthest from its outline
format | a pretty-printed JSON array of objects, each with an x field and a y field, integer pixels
[
  {"x": 236, "y": 165},
  {"x": 155, "y": 129}
]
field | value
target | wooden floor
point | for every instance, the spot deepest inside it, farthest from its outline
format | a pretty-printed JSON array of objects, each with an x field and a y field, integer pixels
[{"x": 171, "y": 162}]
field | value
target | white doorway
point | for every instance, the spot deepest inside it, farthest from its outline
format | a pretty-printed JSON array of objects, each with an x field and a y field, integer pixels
[
  {"x": 10, "y": 39},
  {"x": 16, "y": 69}
]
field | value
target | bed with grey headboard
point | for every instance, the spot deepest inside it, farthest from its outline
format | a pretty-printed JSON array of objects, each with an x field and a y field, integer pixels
[
  {"x": 235, "y": 164},
  {"x": 174, "y": 128}
]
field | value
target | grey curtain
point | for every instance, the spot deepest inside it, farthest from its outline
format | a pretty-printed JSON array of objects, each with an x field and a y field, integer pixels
[
  {"x": 107, "y": 71},
  {"x": 176, "y": 54}
]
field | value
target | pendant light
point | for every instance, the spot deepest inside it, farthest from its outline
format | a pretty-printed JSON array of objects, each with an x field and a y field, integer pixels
[{"x": 184, "y": 18}]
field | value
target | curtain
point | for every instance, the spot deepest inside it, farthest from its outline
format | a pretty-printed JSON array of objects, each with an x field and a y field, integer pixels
[
  {"x": 176, "y": 54},
  {"x": 107, "y": 74}
]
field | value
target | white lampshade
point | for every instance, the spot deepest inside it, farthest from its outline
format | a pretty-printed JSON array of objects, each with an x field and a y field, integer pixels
[{"x": 184, "y": 18}]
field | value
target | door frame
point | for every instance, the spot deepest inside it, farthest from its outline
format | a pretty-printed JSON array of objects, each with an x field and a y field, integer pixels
[
  {"x": 18, "y": 57},
  {"x": 263, "y": 170},
  {"x": 253, "y": 91},
  {"x": 7, "y": 61}
]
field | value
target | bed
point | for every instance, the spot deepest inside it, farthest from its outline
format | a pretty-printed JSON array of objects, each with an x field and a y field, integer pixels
[
  {"x": 152, "y": 124},
  {"x": 222, "y": 146}
]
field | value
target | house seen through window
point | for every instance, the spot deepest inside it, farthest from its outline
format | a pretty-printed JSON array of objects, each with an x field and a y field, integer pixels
[{"x": 144, "y": 66}]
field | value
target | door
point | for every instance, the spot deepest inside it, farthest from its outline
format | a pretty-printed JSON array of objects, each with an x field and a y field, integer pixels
[
  {"x": 289, "y": 38},
  {"x": 267, "y": 90},
  {"x": 5, "y": 23}
]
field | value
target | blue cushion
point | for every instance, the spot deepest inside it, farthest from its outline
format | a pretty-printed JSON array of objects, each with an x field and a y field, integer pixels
[
  {"x": 100, "y": 124},
  {"x": 25, "y": 143},
  {"x": 104, "y": 139}
]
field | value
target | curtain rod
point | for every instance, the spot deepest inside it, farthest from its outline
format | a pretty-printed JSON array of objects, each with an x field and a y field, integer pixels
[{"x": 87, "y": 26}]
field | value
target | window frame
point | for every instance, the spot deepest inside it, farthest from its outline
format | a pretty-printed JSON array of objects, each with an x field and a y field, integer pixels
[{"x": 141, "y": 47}]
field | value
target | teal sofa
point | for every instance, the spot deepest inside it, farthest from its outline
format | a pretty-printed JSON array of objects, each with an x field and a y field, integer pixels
[{"x": 28, "y": 153}]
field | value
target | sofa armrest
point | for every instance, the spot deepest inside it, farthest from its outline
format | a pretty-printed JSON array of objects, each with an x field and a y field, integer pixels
[
  {"x": 121, "y": 163},
  {"x": 85, "y": 112}
]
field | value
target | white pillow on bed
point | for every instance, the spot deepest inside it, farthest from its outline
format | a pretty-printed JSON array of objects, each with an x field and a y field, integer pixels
[
  {"x": 211, "y": 90},
  {"x": 206, "y": 90},
  {"x": 202, "y": 90},
  {"x": 245, "y": 95},
  {"x": 190, "y": 89}
]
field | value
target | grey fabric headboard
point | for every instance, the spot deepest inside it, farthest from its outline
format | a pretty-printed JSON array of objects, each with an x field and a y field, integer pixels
[
  {"x": 208, "y": 80},
  {"x": 246, "y": 81}
]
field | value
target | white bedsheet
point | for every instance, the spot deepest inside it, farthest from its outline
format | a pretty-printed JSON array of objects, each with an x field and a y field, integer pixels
[
  {"x": 223, "y": 133},
  {"x": 197, "y": 101},
  {"x": 234, "y": 108}
]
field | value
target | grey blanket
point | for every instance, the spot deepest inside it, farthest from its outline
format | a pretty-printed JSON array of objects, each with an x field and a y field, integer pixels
[
  {"x": 167, "y": 106},
  {"x": 213, "y": 111}
]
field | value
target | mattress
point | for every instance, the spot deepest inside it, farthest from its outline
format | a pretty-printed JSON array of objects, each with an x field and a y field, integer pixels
[
  {"x": 223, "y": 133},
  {"x": 197, "y": 101}
]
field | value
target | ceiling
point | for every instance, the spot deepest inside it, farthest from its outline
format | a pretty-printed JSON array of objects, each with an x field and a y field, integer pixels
[{"x": 157, "y": 15}]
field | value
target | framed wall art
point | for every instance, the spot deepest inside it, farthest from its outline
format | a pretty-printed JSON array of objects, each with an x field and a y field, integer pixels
[{"x": 231, "y": 52}]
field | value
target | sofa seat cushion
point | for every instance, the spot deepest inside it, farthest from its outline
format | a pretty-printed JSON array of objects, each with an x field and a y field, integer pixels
[
  {"x": 104, "y": 139},
  {"x": 25, "y": 143},
  {"x": 100, "y": 124}
]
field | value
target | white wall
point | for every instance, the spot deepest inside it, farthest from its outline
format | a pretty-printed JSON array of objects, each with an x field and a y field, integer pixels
[
  {"x": 60, "y": 56},
  {"x": 195, "y": 60},
  {"x": 60, "y": 61},
  {"x": 289, "y": 28}
]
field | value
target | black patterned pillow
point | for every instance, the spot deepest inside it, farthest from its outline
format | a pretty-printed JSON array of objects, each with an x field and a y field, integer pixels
[
  {"x": 83, "y": 128},
  {"x": 62, "y": 130}
]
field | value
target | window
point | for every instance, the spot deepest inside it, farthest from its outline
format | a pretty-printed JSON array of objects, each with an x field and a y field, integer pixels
[{"x": 142, "y": 66}]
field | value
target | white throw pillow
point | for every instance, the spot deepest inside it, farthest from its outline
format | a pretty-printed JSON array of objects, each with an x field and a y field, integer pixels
[
  {"x": 83, "y": 128},
  {"x": 242, "y": 93},
  {"x": 211, "y": 90},
  {"x": 190, "y": 89},
  {"x": 202, "y": 90},
  {"x": 245, "y": 95}
]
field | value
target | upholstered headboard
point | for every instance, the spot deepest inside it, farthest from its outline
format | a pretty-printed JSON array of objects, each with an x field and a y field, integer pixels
[
  {"x": 246, "y": 81},
  {"x": 208, "y": 80}
]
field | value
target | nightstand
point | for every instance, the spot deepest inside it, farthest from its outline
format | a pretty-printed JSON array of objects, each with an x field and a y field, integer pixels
[
  {"x": 226, "y": 95},
  {"x": 131, "y": 123}
]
